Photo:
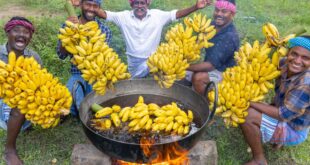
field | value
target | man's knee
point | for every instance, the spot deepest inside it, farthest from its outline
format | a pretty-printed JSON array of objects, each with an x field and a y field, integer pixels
[
  {"x": 200, "y": 77},
  {"x": 15, "y": 113},
  {"x": 254, "y": 117}
]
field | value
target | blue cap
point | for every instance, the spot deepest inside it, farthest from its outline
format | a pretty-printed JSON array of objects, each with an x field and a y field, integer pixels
[
  {"x": 96, "y": 1},
  {"x": 299, "y": 41}
]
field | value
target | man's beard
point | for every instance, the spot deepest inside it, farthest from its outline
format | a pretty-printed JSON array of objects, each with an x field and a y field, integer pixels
[
  {"x": 88, "y": 18},
  {"x": 141, "y": 10}
]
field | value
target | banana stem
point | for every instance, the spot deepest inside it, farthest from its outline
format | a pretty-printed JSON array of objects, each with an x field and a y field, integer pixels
[
  {"x": 69, "y": 8},
  {"x": 96, "y": 107},
  {"x": 298, "y": 30}
]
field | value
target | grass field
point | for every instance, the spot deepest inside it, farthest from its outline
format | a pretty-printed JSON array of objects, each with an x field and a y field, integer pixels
[{"x": 37, "y": 147}]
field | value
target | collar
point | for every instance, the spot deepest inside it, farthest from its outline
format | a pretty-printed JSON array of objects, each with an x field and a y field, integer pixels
[
  {"x": 148, "y": 14},
  {"x": 3, "y": 49},
  {"x": 284, "y": 71},
  {"x": 226, "y": 28},
  {"x": 95, "y": 19}
]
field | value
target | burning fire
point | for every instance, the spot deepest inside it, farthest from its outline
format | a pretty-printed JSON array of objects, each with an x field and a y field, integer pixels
[{"x": 174, "y": 154}]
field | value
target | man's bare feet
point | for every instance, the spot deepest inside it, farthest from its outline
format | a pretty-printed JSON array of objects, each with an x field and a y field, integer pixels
[
  {"x": 256, "y": 162},
  {"x": 11, "y": 158}
]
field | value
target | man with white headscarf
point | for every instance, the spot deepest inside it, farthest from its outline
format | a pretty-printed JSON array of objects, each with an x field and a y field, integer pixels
[{"x": 141, "y": 28}]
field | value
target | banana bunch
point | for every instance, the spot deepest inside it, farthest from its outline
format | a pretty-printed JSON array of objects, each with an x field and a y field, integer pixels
[
  {"x": 171, "y": 59},
  {"x": 250, "y": 80},
  {"x": 272, "y": 35},
  {"x": 201, "y": 25},
  {"x": 72, "y": 34},
  {"x": 102, "y": 123},
  {"x": 185, "y": 40},
  {"x": 167, "y": 64},
  {"x": 34, "y": 91},
  {"x": 99, "y": 64},
  {"x": 170, "y": 118},
  {"x": 145, "y": 117},
  {"x": 256, "y": 59}
]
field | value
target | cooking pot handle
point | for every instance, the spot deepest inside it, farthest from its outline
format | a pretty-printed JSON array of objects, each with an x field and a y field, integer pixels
[
  {"x": 75, "y": 86},
  {"x": 209, "y": 85}
]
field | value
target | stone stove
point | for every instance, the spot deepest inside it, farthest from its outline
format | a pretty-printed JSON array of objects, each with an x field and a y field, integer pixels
[{"x": 204, "y": 153}]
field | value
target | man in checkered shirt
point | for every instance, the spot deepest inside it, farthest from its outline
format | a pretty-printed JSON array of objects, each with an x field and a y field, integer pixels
[
  {"x": 88, "y": 8},
  {"x": 287, "y": 122}
]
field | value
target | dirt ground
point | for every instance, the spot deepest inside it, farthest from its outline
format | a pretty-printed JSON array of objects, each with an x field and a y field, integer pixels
[{"x": 11, "y": 10}]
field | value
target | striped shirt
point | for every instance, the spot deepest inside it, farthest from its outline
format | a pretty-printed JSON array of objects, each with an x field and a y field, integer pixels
[
  {"x": 103, "y": 28},
  {"x": 293, "y": 98}
]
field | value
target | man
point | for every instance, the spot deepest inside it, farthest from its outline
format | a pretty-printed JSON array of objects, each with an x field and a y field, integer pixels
[
  {"x": 19, "y": 32},
  {"x": 221, "y": 55},
  {"x": 286, "y": 122},
  {"x": 88, "y": 8},
  {"x": 141, "y": 29}
]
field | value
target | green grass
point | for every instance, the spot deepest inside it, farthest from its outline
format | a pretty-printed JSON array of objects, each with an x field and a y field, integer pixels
[
  {"x": 51, "y": 6},
  {"x": 41, "y": 146}
]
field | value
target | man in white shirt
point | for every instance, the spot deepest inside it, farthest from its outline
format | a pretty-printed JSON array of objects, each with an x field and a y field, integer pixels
[{"x": 141, "y": 28}]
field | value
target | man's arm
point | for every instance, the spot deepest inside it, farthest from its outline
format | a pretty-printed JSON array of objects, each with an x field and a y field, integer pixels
[
  {"x": 76, "y": 3},
  {"x": 199, "y": 5},
  {"x": 101, "y": 13},
  {"x": 201, "y": 67},
  {"x": 61, "y": 51},
  {"x": 269, "y": 110},
  {"x": 221, "y": 51},
  {"x": 295, "y": 103}
]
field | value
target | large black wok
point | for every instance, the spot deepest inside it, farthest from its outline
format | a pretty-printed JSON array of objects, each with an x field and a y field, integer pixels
[{"x": 126, "y": 94}]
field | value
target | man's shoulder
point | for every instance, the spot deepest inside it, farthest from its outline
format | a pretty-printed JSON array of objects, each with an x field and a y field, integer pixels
[
  {"x": 306, "y": 78},
  {"x": 120, "y": 13},
  {"x": 102, "y": 24},
  {"x": 3, "y": 49},
  {"x": 232, "y": 31},
  {"x": 302, "y": 81},
  {"x": 232, "y": 35},
  {"x": 124, "y": 12},
  {"x": 155, "y": 12},
  {"x": 29, "y": 52}
]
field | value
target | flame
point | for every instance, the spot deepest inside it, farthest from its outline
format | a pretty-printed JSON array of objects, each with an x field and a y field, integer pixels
[{"x": 171, "y": 154}]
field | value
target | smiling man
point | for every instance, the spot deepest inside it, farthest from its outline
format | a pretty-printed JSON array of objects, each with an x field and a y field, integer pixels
[
  {"x": 88, "y": 8},
  {"x": 19, "y": 33},
  {"x": 142, "y": 27},
  {"x": 221, "y": 55},
  {"x": 287, "y": 121}
]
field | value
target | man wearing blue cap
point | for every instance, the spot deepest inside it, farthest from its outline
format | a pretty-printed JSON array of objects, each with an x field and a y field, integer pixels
[
  {"x": 287, "y": 121},
  {"x": 88, "y": 8}
]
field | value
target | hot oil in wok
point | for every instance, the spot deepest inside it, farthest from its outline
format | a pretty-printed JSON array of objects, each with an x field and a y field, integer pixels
[{"x": 122, "y": 134}]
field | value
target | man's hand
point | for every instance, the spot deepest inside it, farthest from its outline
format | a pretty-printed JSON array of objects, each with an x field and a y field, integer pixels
[
  {"x": 75, "y": 3},
  {"x": 203, "y": 3},
  {"x": 101, "y": 13},
  {"x": 73, "y": 19}
]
